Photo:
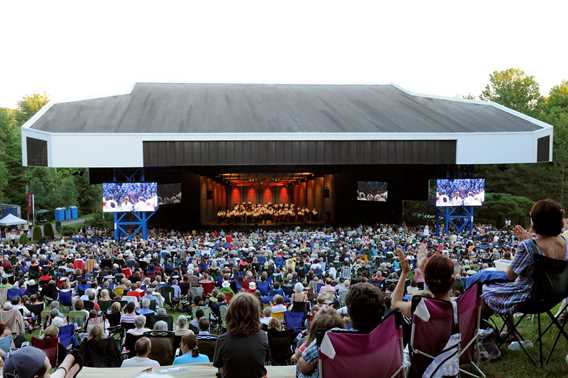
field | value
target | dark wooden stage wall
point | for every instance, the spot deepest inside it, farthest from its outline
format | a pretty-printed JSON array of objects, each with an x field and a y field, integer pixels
[{"x": 239, "y": 153}]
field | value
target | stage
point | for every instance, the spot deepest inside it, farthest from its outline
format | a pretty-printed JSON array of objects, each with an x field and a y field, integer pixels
[{"x": 259, "y": 154}]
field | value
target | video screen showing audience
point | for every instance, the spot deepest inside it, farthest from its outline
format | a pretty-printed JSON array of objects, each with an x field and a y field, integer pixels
[
  {"x": 134, "y": 196},
  {"x": 169, "y": 194},
  {"x": 460, "y": 192},
  {"x": 375, "y": 191}
]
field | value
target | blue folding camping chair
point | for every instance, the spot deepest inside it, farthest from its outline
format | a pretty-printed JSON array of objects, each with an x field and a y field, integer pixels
[{"x": 294, "y": 320}]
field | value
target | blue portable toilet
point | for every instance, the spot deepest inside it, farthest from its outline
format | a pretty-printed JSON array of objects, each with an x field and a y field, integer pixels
[
  {"x": 68, "y": 214},
  {"x": 74, "y": 212},
  {"x": 59, "y": 214}
]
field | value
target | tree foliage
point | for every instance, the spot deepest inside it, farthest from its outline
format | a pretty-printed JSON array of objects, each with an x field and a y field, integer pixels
[
  {"x": 514, "y": 89},
  {"x": 52, "y": 187}
]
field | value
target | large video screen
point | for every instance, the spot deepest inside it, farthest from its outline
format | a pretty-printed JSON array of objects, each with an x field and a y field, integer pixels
[
  {"x": 133, "y": 196},
  {"x": 376, "y": 191},
  {"x": 169, "y": 194},
  {"x": 460, "y": 192}
]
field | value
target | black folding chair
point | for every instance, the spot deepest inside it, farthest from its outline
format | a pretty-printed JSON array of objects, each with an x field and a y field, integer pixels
[
  {"x": 280, "y": 344},
  {"x": 550, "y": 287}
]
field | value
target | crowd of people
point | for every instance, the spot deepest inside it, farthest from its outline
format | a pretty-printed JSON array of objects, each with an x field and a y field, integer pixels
[
  {"x": 136, "y": 196},
  {"x": 222, "y": 296},
  {"x": 267, "y": 213}
]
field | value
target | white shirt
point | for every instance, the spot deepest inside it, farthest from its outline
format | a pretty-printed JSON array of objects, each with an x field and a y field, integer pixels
[{"x": 140, "y": 361}]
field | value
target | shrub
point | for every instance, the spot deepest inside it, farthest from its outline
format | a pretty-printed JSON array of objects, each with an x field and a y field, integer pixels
[
  {"x": 48, "y": 231},
  {"x": 36, "y": 234},
  {"x": 24, "y": 239},
  {"x": 67, "y": 231}
]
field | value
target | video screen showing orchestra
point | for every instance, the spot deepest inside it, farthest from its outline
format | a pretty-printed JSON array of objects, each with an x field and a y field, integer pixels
[
  {"x": 169, "y": 194},
  {"x": 460, "y": 192},
  {"x": 132, "y": 196},
  {"x": 374, "y": 191}
]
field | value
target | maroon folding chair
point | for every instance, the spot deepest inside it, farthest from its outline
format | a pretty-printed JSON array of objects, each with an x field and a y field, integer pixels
[
  {"x": 429, "y": 337},
  {"x": 374, "y": 355},
  {"x": 50, "y": 345},
  {"x": 469, "y": 315}
]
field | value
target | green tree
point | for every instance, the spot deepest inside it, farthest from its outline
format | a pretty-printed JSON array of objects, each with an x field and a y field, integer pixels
[
  {"x": 514, "y": 89},
  {"x": 89, "y": 196},
  {"x": 29, "y": 106}
]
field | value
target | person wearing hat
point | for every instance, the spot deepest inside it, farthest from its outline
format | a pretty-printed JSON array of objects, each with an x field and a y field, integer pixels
[
  {"x": 251, "y": 287},
  {"x": 27, "y": 362}
]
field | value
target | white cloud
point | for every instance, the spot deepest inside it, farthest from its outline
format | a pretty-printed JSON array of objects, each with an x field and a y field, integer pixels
[{"x": 71, "y": 49}]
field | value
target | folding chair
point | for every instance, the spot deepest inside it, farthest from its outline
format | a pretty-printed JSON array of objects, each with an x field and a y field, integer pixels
[
  {"x": 207, "y": 347},
  {"x": 163, "y": 349},
  {"x": 294, "y": 320},
  {"x": 377, "y": 354},
  {"x": 6, "y": 344},
  {"x": 168, "y": 293},
  {"x": 280, "y": 344},
  {"x": 100, "y": 353},
  {"x": 50, "y": 345},
  {"x": 469, "y": 315},
  {"x": 129, "y": 342},
  {"x": 433, "y": 323},
  {"x": 78, "y": 318},
  {"x": 166, "y": 318},
  {"x": 65, "y": 298},
  {"x": 104, "y": 306},
  {"x": 550, "y": 287},
  {"x": 222, "y": 317},
  {"x": 13, "y": 292},
  {"x": 66, "y": 333}
]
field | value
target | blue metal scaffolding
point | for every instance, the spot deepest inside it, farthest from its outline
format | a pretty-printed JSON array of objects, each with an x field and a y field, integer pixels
[
  {"x": 457, "y": 219},
  {"x": 128, "y": 225}
]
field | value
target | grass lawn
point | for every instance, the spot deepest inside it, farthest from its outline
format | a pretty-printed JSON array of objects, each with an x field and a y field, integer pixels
[{"x": 515, "y": 364}]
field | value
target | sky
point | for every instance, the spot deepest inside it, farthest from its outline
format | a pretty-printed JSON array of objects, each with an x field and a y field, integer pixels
[{"x": 81, "y": 48}]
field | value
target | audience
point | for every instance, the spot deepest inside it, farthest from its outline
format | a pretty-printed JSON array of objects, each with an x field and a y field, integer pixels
[{"x": 232, "y": 284}]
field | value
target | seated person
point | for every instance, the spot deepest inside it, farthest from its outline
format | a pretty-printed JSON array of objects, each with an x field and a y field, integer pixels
[
  {"x": 129, "y": 314},
  {"x": 27, "y": 362},
  {"x": 327, "y": 318},
  {"x": 438, "y": 275},
  {"x": 204, "y": 333},
  {"x": 142, "y": 347},
  {"x": 547, "y": 224},
  {"x": 182, "y": 326},
  {"x": 198, "y": 315},
  {"x": 161, "y": 326},
  {"x": 145, "y": 308},
  {"x": 13, "y": 319},
  {"x": 365, "y": 306},
  {"x": 139, "y": 326},
  {"x": 266, "y": 317},
  {"x": 243, "y": 350},
  {"x": 275, "y": 325},
  {"x": 190, "y": 351},
  {"x": 278, "y": 307}
]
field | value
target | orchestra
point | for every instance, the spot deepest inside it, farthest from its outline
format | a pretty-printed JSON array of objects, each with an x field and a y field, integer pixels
[{"x": 268, "y": 213}]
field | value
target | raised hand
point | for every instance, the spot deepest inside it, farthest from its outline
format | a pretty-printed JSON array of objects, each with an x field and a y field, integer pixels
[
  {"x": 403, "y": 262},
  {"x": 521, "y": 233}
]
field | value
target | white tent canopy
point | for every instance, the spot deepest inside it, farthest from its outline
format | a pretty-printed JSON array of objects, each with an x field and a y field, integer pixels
[{"x": 12, "y": 220}]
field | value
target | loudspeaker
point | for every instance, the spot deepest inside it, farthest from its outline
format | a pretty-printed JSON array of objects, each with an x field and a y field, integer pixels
[
  {"x": 326, "y": 193},
  {"x": 209, "y": 194}
]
